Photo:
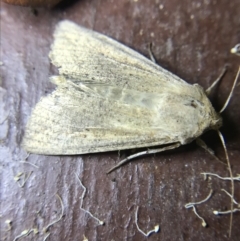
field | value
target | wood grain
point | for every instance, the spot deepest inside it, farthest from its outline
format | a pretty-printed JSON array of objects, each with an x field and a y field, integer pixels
[{"x": 192, "y": 39}]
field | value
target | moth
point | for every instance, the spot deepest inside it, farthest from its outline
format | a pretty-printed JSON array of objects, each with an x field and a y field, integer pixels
[{"x": 109, "y": 97}]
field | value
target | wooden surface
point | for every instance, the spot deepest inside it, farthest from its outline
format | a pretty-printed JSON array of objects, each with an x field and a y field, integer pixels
[{"x": 191, "y": 39}]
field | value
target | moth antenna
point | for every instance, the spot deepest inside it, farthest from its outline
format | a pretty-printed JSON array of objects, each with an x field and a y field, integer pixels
[
  {"x": 125, "y": 160},
  {"x": 225, "y": 150},
  {"x": 200, "y": 142},
  {"x": 231, "y": 92},
  {"x": 210, "y": 88},
  {"x": 231, "y": 176},
  {"x": 230, "y": 196},
  {"x": 142, "y": 153}
]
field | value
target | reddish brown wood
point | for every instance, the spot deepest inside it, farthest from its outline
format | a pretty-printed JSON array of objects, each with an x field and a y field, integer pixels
[
  {"x": 190, "y": 38},
  {"x": 33, "y": 3}
]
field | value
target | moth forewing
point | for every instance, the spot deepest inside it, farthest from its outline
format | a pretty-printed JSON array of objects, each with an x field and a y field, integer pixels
[{"x": 109, "y": 97}]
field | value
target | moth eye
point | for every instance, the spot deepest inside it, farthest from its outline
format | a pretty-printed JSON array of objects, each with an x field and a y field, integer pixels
[{"x": 194, "y": 103}]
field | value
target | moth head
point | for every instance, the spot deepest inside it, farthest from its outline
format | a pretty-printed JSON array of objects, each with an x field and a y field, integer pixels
[
  {"x": 213, "y": 119},
  {"x": 210, "y": 118},
  {"x": 216, "y": 122}
]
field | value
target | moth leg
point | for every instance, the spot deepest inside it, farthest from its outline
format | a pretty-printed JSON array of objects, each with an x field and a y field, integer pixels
[
  {"x": 151, "y": 53},
  {"x": 202, "y": 144},
  {"x": 142, "y": 153},
  {"x": 209, "y": 89}
]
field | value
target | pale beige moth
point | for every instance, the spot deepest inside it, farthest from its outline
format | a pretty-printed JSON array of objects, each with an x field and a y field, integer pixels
[{"x": 109, "y": 97}]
